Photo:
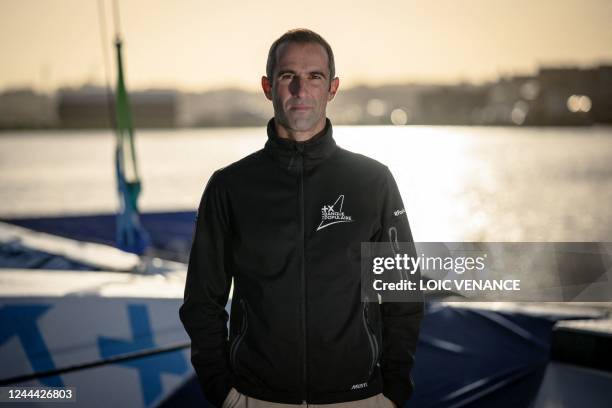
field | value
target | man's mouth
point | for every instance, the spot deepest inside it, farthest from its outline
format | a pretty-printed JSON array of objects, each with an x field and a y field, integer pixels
[{"x": 300, "y": 107}]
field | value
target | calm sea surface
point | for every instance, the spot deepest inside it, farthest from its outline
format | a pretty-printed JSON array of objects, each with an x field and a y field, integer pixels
[{"x": 458, "y": 183}]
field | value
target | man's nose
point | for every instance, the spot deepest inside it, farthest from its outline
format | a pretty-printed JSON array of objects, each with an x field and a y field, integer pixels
[{"x": 297, "y": 86}]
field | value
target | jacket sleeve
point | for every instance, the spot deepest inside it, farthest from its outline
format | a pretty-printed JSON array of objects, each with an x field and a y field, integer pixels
[
  {"x": 206, "y": 293},
  {"x": 400, "y": 320}
]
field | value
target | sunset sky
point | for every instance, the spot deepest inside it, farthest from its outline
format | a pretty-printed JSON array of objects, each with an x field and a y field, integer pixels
[{"x": 196, "y": 45}]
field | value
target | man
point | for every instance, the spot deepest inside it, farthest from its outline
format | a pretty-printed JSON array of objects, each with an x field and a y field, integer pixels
[{"x": 286, "y": 224}]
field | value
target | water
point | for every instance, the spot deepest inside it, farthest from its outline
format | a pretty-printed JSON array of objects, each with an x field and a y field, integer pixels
[{"x": 458, "y": 183}]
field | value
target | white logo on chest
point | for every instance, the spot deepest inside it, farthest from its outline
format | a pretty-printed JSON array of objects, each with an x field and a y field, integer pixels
[{"x": 333, "y": 214}]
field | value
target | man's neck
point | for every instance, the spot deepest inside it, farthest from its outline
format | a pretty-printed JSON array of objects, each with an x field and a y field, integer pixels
[{"x": 297, "y": 136}]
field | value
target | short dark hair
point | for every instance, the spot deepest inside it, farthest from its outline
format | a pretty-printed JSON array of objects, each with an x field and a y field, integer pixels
[{"x": 301, "y": 36}]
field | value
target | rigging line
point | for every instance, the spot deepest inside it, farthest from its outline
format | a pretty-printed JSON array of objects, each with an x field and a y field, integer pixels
[
  {"x": 117, "y": 20},
  {"x": 109, "y": 91},
  {"x": 121, "y": 77}
]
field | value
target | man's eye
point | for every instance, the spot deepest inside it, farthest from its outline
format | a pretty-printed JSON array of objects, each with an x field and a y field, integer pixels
[{"x": 286, "y": 76}]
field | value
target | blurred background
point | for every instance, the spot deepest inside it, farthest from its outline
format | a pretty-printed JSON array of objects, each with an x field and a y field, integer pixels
[{"x": 495, "y": 118}]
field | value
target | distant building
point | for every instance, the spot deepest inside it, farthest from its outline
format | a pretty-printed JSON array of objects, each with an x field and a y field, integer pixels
[
  {"x": 364, "y": 105},
  {"x": 558, "y": 85},
  {"x": 225, "y": 107},
  {"x": 555, "y": 96},
  {"x": 602, "y": 94},
  {"x": 26, "y": 109},
  {"x": 510, "y": 102},
  {"x": 452, "y": 105},
  {"x": 90, "y": 107}
]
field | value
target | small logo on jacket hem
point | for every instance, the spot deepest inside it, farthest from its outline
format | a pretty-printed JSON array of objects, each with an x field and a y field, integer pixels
[
  {"x": 359, "y": 386},
  {"x": 333, "y": 214}
]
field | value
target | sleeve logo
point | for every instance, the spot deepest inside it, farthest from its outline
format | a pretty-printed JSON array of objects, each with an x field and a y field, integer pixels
[{"x": 399, "y": 212}]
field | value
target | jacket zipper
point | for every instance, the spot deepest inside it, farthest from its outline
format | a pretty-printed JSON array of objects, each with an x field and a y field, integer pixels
[
  {"x": 298, "y": 152},
  {"x": 303, "y": 277},
  {"x": 238, "y": 339},
  {"x": 372, "y": 339}
]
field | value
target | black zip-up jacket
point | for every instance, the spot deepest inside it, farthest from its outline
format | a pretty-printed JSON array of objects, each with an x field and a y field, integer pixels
[{"x": 286, "y": 223}]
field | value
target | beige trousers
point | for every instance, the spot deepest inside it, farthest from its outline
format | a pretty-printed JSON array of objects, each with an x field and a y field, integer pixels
[{"x": 236, "y": 399}]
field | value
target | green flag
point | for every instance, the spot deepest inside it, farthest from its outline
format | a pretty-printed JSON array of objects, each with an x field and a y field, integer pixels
[{"x": 130, "y": 234}]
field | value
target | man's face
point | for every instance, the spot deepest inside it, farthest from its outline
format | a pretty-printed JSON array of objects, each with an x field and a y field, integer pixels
[{"x": 300, "y": 87}]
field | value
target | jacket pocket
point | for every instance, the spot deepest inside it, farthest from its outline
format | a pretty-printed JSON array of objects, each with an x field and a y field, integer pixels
[
  {"x": 238, "y": 339},
  {"x": 371, "y": 338}
]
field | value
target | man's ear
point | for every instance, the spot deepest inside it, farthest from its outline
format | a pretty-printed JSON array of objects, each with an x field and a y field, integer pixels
[
  {"x": 266, "y": 85},
  {"x": 333, "y": 88}
]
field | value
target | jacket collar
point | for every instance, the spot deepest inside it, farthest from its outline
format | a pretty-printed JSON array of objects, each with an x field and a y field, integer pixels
[{"x": 312, "y": 152}]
